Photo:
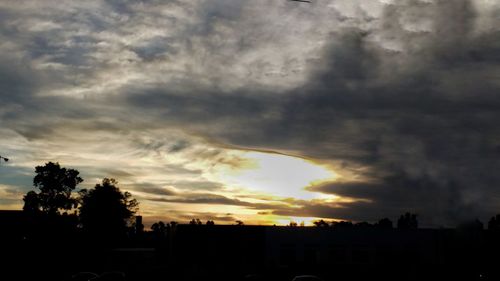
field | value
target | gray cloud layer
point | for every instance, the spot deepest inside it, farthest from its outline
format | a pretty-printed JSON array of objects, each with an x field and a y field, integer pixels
[{"x": 406, "y": 98}]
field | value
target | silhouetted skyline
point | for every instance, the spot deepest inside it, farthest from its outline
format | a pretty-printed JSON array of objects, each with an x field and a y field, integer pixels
[{"x": 195, "y": 251}]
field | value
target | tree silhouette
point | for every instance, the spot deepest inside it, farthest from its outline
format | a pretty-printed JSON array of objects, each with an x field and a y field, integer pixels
[
  {"x": 210, "y": 222},
  {"x": 342, "y": 224},
  {"x": 408, "y": 221},
  {"x": 363, "y": 224},
  {"x": 159, "y": 228},
  {"x": 240, "y": 222},
  {"x": 105, "y": 209},
  {"x": 31, "y": 203},
  {"x": 320, "y": 223},
  {"x": 494, "y": 223},
  {"x": 195, "y": 222},
  {"x": 384, "y": 223},
  {"x": 55, "y": 184}
]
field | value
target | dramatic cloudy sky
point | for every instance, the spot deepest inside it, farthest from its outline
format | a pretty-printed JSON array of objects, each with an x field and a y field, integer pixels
[{"x": 261, "y": 110}]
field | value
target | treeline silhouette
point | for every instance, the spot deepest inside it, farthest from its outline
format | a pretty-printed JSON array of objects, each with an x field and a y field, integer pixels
[
  {"x": 64, "y": 234},
  {"x": 64, "y": 230},
  {"x": 103, "y": 213}
]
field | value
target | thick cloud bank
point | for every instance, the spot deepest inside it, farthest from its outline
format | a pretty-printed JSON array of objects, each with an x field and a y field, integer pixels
[{"x": 400, "y": 98}]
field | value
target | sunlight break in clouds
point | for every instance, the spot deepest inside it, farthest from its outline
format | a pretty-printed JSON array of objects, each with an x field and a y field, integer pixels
[
  {"x": 230, "y": 109},
  {"x": 274, "y": 174}
]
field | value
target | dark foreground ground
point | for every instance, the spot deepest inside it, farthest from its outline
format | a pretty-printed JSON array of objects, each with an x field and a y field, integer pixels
[
  {"x": 255, "y": 253},
  {"x": 56, "y": 263}
]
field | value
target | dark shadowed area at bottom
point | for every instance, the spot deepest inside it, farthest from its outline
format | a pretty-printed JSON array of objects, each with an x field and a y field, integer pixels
[{"x": 45, "y": 249}]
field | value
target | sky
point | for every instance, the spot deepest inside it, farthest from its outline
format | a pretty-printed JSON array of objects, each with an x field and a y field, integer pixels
[{"x": 265, "y": 111}]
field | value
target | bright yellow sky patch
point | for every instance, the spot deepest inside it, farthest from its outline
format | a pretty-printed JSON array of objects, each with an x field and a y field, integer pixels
[{"x": 274, "y": 174}]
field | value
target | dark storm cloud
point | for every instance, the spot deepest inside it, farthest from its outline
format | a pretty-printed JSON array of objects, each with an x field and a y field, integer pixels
[
  {"x": 211, "y": 104},
  {"x": 198, "y": 185},
  {"x": 16, "y": 80},
  {"x": 436, "y": 200},
  {"x": 213, "y": 199},
  {"x": 202, "y": 199},
  {"x": 426, "y": 131},
  {"x": 26, "y": 113},
  {"x": 154, "y": 48},
  {"x": 153, "y": 189},
  {"x": 422, "y": 119}
]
